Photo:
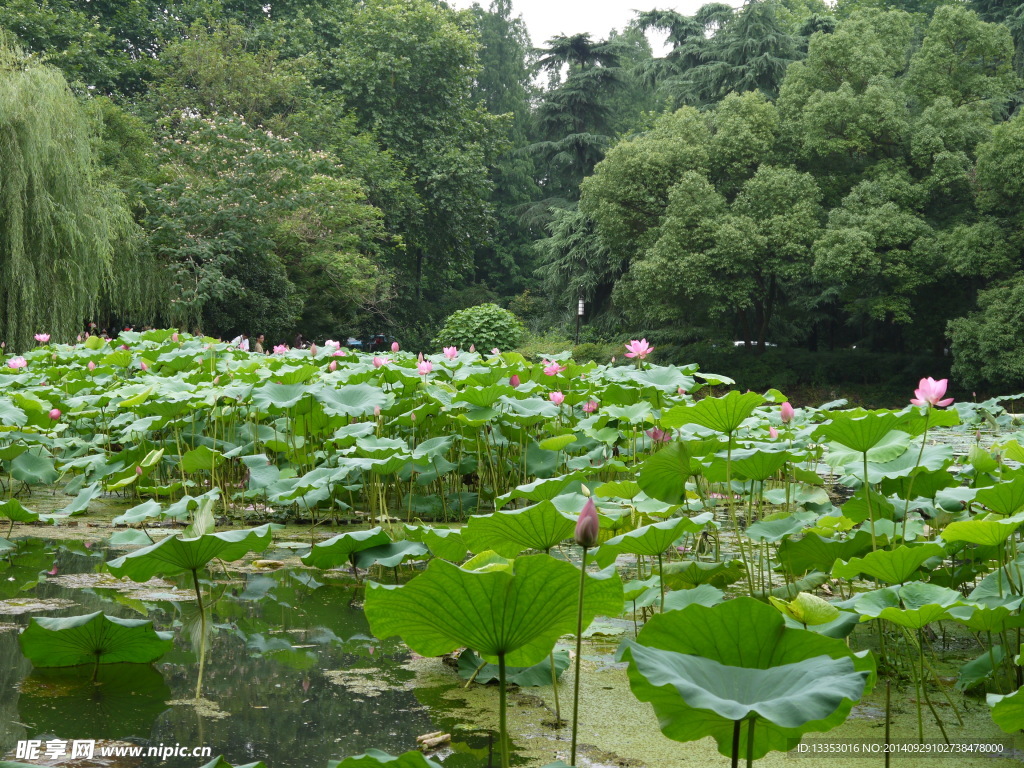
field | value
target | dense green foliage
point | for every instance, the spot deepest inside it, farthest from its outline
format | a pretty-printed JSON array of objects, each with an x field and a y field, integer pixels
[{"x": 787, "y": 172}]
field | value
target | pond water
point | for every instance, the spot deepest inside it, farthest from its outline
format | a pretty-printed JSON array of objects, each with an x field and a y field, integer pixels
[{"x": 293, "y": 674}]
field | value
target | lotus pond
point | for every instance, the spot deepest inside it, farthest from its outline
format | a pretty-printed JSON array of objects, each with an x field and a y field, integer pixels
[{"x": 298, "y": 558}]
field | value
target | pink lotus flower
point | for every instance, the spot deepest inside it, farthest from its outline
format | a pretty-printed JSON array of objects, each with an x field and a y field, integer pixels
[
  {"x": 590, "y": 406},
  {"x": 312, "y": 350},
  {"x": 339, "y": 352},
  {"x": 280, "y": 349},
  {"x": 394, "y": 346},
  {"x": 495, "y": 351},
  {"x": 681, "y": 391},
  {"x": 17, "y": 362},
  {"x": 930, "y": 392},
  {"x": 424, "y": 367},
  {"x": 787, "y": 413},
  {"x": 451, "y": 352},
  {"x": 333, "y": 366},
  {"x": 91, "y": 366},
  {"x": 588, "y": 526},
  {"x": 773, "y": 432},
  {"x": 556, "y": 397},
  {"x": 52, "y": 571},
  {"x": 639, "y": 348},
  {"x": 514, "y": 381},
  {"x": 42, "y": 338},
  {"x": 125, "y": 346},
  {"x": 55, "y": 414},
  {"x": 379, "y": 361},
  {"x": 174, "y": 337},
  {"x": 552, "y": 368},
  {"x": 659, "y": 435}
]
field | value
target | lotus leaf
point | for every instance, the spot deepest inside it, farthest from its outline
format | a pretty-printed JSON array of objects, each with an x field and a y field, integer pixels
[
  {"x": 653, "y": 539},
  {"x": 704, "y": 594},
  {"x": 94, "y": 638},
  {"x": 16, "y": 512},
  {"x": 220, "y": 762},
  {"x": 373, "y": 758},
  {"x": 516, "y": 609},
  {"x": 807, "y": 609},
  {"x": 176, "y": 555},
  {"x": 339, "y": 550},
  {"x": 891, "y": 566},
  {"x": 540, "y": 526},
  {"x": 1008, "y": 711},
  {"x": 706, "y": 670},
  {"x": 34, "y": 470},
  {"x": 722, "y": 414},
  {"x": 525, "y": 677},
  {"x": 988, "y": 532},
  {"x": 390, "y": 555},
  {"x": 1003, "y": 498},
  {"x": 663, "y": 476},
  {"x": 859, "y": 431},
  {"x": 912, "y": 606}
]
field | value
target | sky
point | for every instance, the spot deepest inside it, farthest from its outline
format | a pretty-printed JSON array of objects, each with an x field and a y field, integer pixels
[{"x": 547, "y": 18}]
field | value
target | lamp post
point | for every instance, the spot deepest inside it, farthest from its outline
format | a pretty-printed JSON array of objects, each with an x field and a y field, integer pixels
[{"x": 579, "y": 316}]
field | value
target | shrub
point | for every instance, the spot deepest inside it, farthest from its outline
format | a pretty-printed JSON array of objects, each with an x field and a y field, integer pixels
[{"x": 486, "y": 325}]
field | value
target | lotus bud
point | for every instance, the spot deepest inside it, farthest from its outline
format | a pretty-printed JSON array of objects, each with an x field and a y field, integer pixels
[
  {"x": 91, "y": 366},
  {"x": 773, "y": 432},
  {"x": 376, "y": 411},
  {"x": 419, "y": 357},
  {"x": 312, "y": 350},
  {"x": 138, "y": 470},
  {"x": 556, "y": 397},
  {"x": 681, "y": 391},
  {"x": 3, "y": 344},
  {"x": 587, "y": 525},
  {"x": 584, "y": 490},
  {"x": 787, "y": 413},
  {"x": 495, "y": 351},
  {"x": 394, "y": 346},
  {"x": 53, "y": 357},
  {"x": 514, "y": 381},
  {"x": 143, "y": 366},
  {"x": 55, "y": 414},
  {"x": 472, "y": 347},
  {"x": 216, "y": 379},
  {"x": 174, "y": 337},
  {"x": 412, "y": 416},
  {"x": 333, "y": 366}
]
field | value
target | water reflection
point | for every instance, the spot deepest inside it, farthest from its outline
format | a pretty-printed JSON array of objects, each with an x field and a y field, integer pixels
[{"x": 275, "y": 639}]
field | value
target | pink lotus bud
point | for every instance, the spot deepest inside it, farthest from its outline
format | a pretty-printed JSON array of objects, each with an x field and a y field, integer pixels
[
  {"x": 143, "y": 366},
  {"x": 514, "y": 381},
  {"x": 91, "y": 366},
  {"x": 472, "y": 347},
  {"x": 394, "y": 346},
  {"x": 174, "y": 337},
  {"x": 681, "y": 391},
  {"x": 216, "y": 379},
  {"x": 124, "y": 346},
  {"x": 3, "y": 344},
  {"x": 413, "y": 417},
  {"x": 78, "y": 338},
  {"x": 376, "y": 410},
  {"x": 773, "y": 432},
  {"x": 55, "y": 414},
  {"x": 588, "y": 526},
  {"x": 787, "y": 413},
  {"x": 556, "y": 397},
  {"x": 138, "y": 470},
  {"x": 495, "y": 351},
  {"x": 333, "y": 366},
  {"x": 590, "y": 406},
  {"x": 312, "y": 350},
  {"x": 419, "y": 357},
  {"x": 613, "y": 358}
]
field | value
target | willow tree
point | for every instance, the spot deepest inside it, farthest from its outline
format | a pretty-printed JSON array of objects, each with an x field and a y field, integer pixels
[{"x": 60, "y": 222}]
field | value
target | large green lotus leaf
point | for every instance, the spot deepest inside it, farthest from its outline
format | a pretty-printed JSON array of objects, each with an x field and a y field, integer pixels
[
  {"x": 508, "y": 533},
  {"x": 893, "y": 566},
  {"x": 11, "y": 415},
  {"x": 525, "y": 677},
  {"x": 147, "y": 510},
  {"x": 663, "y": 476},
  {"x": 704, "y": 594},
  {"x": 651, "y": 540},
  {"x": 722, "y": 414},
  {"x": 913, "y": 605},
  {"x": 865, "y": 505},
  {"x": 703, "y": 668},
  {"x": 622, "y": 489},
  {"x": 858, "y": 432},
  {"x": 1003, "y": 498},
  {"x": 16, "y": 512},
  {"x": 280, "y": 397},
  {"x": 80, "y": 504},
  {"x": 446, "y": 543},
  {"x": 688, "y": 574},
  {"x": 34, "y": 470},
  {"x": 518, "y": 610},
  {"x": 337, "y": 551},
  {"x": 988, "y": 533},
  {"x": 390, "y": 555},
  {"x": 636, "y": 413},
  {"x": 758, "y": 464},
  {"x": 934, "y": 458},
  {"x": 543, "y": 489},
  {"x": 201, "y": 458},
  {"x": 374, "y": 758},
  {"x": 1001, "y": 587},
  {"x": 356, "y": 400},
  {"x": 984, "y": 619},
  {"x": 1008, "y": 711},
  {"x": 94, "y": 638},
  {"x": 922, "y": 482},
  {"x": 774, "y": 530},
  {"x": 818, "y": 553},
  {"x": 890, "y": 447},
  {"x": 175, "y": 555}
]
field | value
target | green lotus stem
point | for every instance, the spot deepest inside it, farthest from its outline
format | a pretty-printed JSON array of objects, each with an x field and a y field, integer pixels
[
  {"x": 579, "y": 658},
  {"x": 736, "y": 724},
  {"x": 502, "y": 723},
  {"x": 554, "y": 687},
  {"x": 910, "y": 485},
  {"x": 888, "y": 718},
  {"x": 750, "y": 741},
  {"x": 661, "y": 582},
  {"x": 202, "y": 630}
]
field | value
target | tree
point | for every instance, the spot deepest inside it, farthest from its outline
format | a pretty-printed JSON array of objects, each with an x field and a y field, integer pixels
[
  {"x": 60, "y": 221},
  {"x": 986, "y": 343}
]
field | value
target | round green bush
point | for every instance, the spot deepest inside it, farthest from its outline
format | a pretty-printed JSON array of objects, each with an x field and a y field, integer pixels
[{"x": 485, "y": 325}]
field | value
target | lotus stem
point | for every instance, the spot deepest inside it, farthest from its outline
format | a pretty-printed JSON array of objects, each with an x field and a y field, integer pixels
[
  {"x": 661, "y": 582},
  {"x": 502, "y": 722},
  {"x": 750, "y": 741},
  {"x": 579, "y": 658},
  {"x": 736, "y": 724},
  {"x": 867, "y": 498},
  {"x": 888, "y": 718},
  {"x": 554, "y": 687},
  {"x": 202, "y": 633},
  {"x": 910, "y": 485}
]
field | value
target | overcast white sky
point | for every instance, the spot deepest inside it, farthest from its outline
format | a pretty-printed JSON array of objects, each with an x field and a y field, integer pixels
[{"x": 547, "y": 18}]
